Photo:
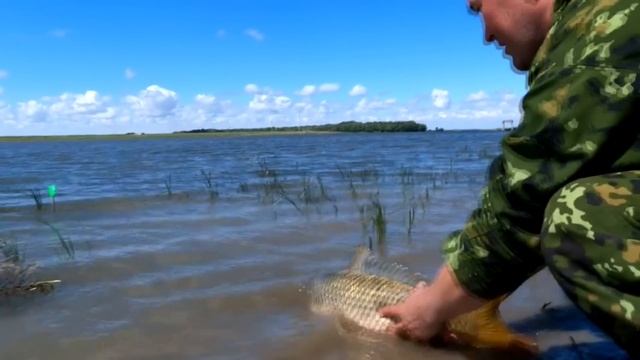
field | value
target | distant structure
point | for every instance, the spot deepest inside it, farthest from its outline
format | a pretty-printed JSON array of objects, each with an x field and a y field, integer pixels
[{"x": 505, "y": 123}]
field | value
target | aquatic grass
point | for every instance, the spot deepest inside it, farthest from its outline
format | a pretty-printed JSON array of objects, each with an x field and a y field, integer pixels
[
  {"x": 379, "y": 223},
  {"x": 209, "y": 185},
  {"x": 314, "y": 193},
  {"x": 265, "y": 171},
  {"x": 368, "y": 174},
  {"x": 283, "y": 195},
  {"x": 352, "y": 190},
  {"x": 407, "y": 176},
  {"x": 424, "y": 200},
  {"x": 243, "y": 188},
  {"x": 14, "y": 273},
  {"x": 373, "y": 219},
  {"x": 37, "y": 198},
  {"x": 11, "y": 252},
  {"x": 411, "y": 220},
  {"x": 323, "y": 191},
  {"x": 65, "y": 243},
  {"x": 344, "y": 173},
  {"x": 168, "y": 185},
  {"x": 274, "y": 192}
]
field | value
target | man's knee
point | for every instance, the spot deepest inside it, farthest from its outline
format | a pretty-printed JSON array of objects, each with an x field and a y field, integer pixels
[
  {"x": 592, "y": 222},
  {"x": 567, "y": 223}
]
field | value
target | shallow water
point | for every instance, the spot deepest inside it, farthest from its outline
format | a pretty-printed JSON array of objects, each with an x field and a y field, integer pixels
[{"x": 191, "y": 276}]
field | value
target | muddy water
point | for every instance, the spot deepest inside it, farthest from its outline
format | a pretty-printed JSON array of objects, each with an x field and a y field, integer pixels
[{"x": 196, "y": 276}]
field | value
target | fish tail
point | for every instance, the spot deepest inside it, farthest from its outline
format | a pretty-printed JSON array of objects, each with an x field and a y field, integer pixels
[{"x": 485, "y": 328}]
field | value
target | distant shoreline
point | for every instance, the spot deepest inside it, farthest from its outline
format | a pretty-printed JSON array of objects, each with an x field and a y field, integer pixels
[{"x": 177, "y": 135}]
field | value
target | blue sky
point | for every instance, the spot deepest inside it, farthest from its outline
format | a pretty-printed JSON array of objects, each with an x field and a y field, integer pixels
[{"x": 77, "y": 67}]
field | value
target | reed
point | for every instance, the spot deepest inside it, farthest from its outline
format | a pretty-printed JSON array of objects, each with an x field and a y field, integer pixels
[
  {"x": 243, "y": 188},
  {"x": 207, "y": 179},
  {"x": 65, "y": 243},
  {"x": 411, "y": 220},
  {"x": 37, "y": 198},
  {"x": 14, "y": 273},
  {"x": 323, "y": 191},
  {"x": 168, "y": 185}
]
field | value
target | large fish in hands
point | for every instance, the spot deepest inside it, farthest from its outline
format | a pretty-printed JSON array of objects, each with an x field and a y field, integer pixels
[{"x": 355, "y": 295}]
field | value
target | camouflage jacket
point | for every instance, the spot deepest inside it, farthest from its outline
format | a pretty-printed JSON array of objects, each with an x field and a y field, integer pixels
[{"x": 580, "y": 118}]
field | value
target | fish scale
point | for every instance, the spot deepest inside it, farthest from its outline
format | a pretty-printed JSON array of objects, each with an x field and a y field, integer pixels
[{"x": 356, "y": 295}]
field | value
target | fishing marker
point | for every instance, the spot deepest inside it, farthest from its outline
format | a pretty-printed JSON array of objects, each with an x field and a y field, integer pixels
[{"x": 52, "y": 191}]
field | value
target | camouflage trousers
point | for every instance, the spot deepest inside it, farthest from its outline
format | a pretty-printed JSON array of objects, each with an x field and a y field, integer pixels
[{"x": 591, "y": 244}]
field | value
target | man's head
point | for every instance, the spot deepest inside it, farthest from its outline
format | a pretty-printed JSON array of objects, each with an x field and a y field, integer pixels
[{"x": 520, "y": 26}]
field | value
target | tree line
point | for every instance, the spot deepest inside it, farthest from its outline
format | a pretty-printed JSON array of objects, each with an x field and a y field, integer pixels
[{"x": 345, "y": 126}]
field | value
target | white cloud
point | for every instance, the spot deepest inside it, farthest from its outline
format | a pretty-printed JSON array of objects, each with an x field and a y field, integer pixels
[
  {"x": 156, "y": 109},
  {"x": 307, "y": 90},
  {"x": 478, "y": 96},
  {"x": 154, "y": 101},
  {"x": 59, "y": 33},
  {"x": 3, "y": 74},
  {"x": 358, "y": 90},
  {"x": 269, "y": 103},
  {"x": 221, "y": 33},
  {"x": 251, "y": 89},
  {"x": 328, "y": 88},
  {"x": 440, "y": 98},
  {"x": 365, "y": 105},
  {"x": 32, "y": 111},
  {"x": 129, "y": 73},
  {"x": 91, "y": 104},
  {"x": 206, "y": 109},
  {"x": 254, "y": 34}
]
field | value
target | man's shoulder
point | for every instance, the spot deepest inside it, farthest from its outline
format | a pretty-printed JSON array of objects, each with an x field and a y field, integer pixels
[{"x": 592, "y": 33}]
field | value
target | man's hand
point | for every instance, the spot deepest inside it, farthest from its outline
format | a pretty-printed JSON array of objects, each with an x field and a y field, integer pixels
[
  {"x": 414, "y": 319},
  {"x": 427, "y": 309}
]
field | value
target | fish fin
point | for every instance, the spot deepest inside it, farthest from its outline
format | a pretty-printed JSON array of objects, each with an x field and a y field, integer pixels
[
  {"x": 359, "y": 259},
  {"x": 365, "y": 262},
  {"x": 490, "y": 331}
]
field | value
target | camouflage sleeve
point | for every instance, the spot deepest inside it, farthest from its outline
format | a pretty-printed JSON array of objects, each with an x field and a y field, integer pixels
[{"x": 579, "y": 119}]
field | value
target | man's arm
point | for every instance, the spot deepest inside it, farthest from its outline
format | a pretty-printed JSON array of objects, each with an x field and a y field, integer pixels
[
  {"x": 577, "y": 122},
  {"x": 582, "y": 123}
]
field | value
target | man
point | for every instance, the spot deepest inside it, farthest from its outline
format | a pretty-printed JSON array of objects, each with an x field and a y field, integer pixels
[{"x": 565, "y": 192}]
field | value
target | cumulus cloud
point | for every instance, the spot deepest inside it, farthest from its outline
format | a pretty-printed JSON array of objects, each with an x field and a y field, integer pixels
[
  {"x": 328, "y": 88},
  {"x": 154, "y": 102},
  {"x": 254, "y": 34},
  {"x": 358, "y": 90},
  {"x": 440, "y": 98},
  {"x": 478, "y": 96},
  {"x": 269, "y": 103},
  {"x": 32, "y": 111},
  {"x": 90, "y": 103},
  {"x": 157, "y": 109},
  {"x": 3, "y": 74},
  {"x": 206, "y": 109},
  {"x": 251, "y": 89},
  {"x": 129, "y": 73},
  {"x": 365, "y": 105},
  {"x": 307, "y": 90}
]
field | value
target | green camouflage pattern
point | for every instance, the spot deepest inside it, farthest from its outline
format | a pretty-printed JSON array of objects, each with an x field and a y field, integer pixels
[
  {"x": 580, "y": 119},
  {"x": 591, "y": 244}
]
